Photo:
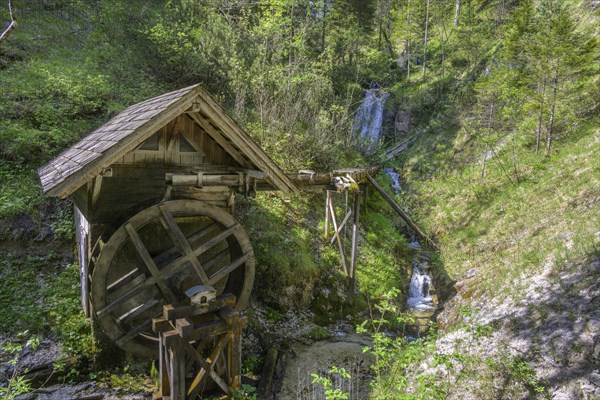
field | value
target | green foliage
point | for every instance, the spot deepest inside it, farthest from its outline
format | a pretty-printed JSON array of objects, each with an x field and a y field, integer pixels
[
  {"x": 283, "y": 247},
  {"x": 64, "y": 314},
  {"x": 38, "y": 294},
  {"x": 252, "y": 364},
  {"x": 332, "y": 392},
  {"x": 395, "y": 355},
  {"x": 320, "y": 333},
  {"x": 247, "y": 392},
  {"x": 19, "y": 192},
  {"x": 17, "y": 385}
]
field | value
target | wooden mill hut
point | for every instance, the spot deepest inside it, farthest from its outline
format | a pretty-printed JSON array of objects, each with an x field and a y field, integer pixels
[{"x": 153, "y": 190}]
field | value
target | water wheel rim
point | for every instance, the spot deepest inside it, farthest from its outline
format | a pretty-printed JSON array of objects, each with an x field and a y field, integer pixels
[{"x": 238, "y": 274}]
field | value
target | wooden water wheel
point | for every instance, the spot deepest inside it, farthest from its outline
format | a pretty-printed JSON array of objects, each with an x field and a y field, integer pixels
[{"x": 155, "y": 256}]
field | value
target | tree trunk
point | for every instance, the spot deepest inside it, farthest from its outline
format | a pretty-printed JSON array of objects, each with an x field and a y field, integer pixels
[
  {"x": 457, "y": 11},
  {"x": 489, "y": 130},
  {"x": 324, "y": 25},
  {"x": 11, "y": 26},
  {"x": 539, "y": 129},
  {"x": 408, "y": 20},
  {"x": 425, "y": 41},
  {"x": 550, "y": 128}
]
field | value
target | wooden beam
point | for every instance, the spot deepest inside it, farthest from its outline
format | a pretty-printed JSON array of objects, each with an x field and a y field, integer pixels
[
  {"x": 336, "y": 233},
  {"x": 327, "y": 200},
  {"x": 402, "y": 214},
  {"x": 220, "y": 139},
  {"x": 181, "y": 242},
  {"x": 149, "y": 264},
  {"x": 95, "y": 191},
  {"x": 354, "y": 251}
]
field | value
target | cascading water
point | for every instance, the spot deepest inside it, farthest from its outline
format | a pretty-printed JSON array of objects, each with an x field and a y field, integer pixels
[
  {"x": 419, "y": 297},
  {"x": 395, "y": 178},
  {"x": 367, "y": 126}
]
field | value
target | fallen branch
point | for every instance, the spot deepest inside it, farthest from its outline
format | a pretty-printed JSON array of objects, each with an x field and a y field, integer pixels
[{"x": 11, "y": 26}]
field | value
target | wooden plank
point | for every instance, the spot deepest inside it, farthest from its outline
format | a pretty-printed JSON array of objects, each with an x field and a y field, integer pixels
[
  {"x": 402, "y": 214},
  {"x": 327, "y": 200},
  {"x": 178, "y": 371},
  {"x": 265, "y": 386}
]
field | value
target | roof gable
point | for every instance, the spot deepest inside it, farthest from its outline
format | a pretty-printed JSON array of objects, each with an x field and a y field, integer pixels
[{"x": 85, "y": 159}]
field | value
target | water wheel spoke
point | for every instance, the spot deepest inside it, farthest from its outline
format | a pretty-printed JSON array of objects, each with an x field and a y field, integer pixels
[
  {"x": 151, "y": 267},
  {"x": 181, "y": 242},
  {"x": 168, "y": 255},
  {"x": 226, "y": 270}
]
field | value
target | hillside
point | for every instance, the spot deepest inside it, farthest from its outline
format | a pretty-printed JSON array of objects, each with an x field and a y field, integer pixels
[{"x": 498, "y": 98}]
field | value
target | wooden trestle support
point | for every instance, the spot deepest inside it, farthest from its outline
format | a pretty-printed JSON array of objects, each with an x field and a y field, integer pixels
[
  {"x": 330, "y": 217},
  {"x": 200, "y": 349}
]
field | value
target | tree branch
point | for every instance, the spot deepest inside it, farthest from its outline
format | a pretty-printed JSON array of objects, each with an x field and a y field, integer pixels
[{"x": 11, "y": 26}]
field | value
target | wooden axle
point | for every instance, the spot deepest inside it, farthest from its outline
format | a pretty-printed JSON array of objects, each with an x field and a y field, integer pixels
[{"x": 305, "y": 179}]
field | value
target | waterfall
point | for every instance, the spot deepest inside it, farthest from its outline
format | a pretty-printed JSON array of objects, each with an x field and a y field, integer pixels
[
  {"x": 419, "y": 297},
  {"x": 367, "y": 125},
  {"x": 391, "y": 172}
]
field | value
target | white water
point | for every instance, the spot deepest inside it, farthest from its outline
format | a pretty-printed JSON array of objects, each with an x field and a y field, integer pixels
[
  {"x": 419, "y": 297},
  {"x": 395, "y": 178},
  {"x": 367, "y": 125}
]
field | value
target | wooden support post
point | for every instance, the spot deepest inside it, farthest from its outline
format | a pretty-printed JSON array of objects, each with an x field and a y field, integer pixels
[
  {"x": 327, "y": 201},
  {"x": 236, "y": 358},
  {"x": 354, "y": 254},
  {"x": 365, "y": 190},
  {"x": 177, "y": 367}
]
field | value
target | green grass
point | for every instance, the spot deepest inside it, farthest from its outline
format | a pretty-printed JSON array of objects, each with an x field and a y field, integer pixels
[
  {"x": 41, "y": 295},
  {"x": 506, "y": 229}
]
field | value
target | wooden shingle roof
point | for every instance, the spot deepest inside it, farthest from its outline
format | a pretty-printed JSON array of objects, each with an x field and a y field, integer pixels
[{"x": 85, "y": 159}]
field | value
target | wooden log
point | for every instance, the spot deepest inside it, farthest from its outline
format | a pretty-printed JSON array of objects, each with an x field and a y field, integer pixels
[
  {"x": 401, "y": 212},
  {"x": 265, "y": 385}
]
